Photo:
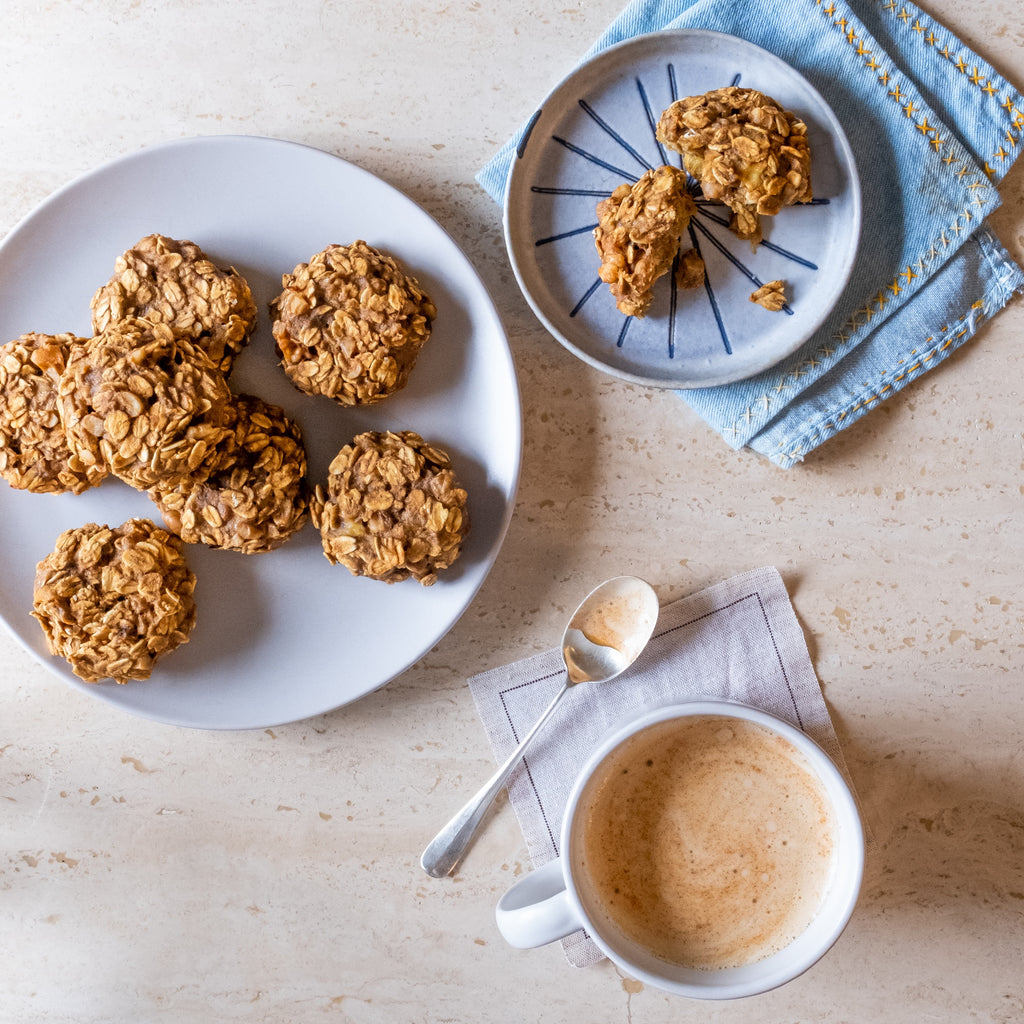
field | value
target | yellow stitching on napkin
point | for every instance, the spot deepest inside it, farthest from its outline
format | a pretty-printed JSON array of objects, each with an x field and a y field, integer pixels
[
  {"x": 859, "y": 319},
  {"x": 881, "y": 392},
  {"x": 978, "y": 187},
  {"x": 973, "y": 74},
  {"x": 831, "y": 9}
]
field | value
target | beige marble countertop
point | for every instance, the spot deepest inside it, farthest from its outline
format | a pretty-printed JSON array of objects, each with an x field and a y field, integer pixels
[{"x": 149, "y": 873}]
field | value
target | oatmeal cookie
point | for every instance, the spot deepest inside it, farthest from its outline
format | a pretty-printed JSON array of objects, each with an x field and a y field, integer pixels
[
  {"x": 174, "y": 282},
  {"x": 637, "y": 235},
  {"x": 254, "y": 497},
  {"x": 349, "y": 324},
  {"x": 34, "y": 453},
  {"x": 744, "y": 150},
  {"x": 143, "y": 403},
  {"x": 393, "y": 508},
  {"x": 113, "y": 600}
]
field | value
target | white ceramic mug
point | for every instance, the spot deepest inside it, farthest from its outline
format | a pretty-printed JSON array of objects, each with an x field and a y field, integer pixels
[{"x": 547, "y": 905}]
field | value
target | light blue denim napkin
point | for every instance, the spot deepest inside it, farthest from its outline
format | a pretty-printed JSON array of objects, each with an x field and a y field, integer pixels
[{"x": 934, "y": 129}]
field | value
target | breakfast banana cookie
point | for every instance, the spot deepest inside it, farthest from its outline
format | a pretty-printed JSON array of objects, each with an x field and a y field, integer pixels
[
  {"x": 349, "y": 324},
  {"x": 143, "y": 403},
  {"x": 253, "y": 499},
  {"x": 175, "y": 283},
  {"x": 744, "y": 150},
  {"x": 113, "y": 600},
  {"x": 637, "y": 235},
  {"x": 34, "y": 453},
  {"x": 393, "y": 508}
]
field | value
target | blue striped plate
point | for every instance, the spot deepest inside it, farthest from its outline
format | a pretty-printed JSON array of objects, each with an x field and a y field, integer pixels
[{"x": 595, "y": 131}]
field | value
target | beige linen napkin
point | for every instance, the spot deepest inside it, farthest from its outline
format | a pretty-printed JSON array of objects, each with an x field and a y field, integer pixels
[{"x": 738, "y": 640}]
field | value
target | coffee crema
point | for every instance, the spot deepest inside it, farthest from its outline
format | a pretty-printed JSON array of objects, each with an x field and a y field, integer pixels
[{"x": 706, "y": 840}]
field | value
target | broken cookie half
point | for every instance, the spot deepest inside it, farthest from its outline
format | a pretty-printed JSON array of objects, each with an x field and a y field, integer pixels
[
  {"x": 638, "y": 233},
  {"x": 744, "y": 150}
]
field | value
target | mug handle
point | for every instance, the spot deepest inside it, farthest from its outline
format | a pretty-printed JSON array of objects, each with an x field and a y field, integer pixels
[{"x": 536, "y": 910}]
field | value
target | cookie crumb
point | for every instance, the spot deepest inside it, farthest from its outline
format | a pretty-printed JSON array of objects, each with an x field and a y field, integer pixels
[{"x": 772, "y": 296}]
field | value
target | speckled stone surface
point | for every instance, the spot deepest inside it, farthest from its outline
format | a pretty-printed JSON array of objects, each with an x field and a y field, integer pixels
[{"x": 149, "y": 873}]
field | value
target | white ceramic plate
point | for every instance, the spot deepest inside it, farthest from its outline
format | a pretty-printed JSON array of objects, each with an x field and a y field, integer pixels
[
  {"x": 283, "y": 635},
  {"x": 596, "y": 131}
]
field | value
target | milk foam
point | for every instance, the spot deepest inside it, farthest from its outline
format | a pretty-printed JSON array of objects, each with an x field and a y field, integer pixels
[{"x": 707, "y": 840}]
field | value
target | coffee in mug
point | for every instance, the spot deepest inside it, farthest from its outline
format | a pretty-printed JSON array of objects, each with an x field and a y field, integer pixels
[
  {"x": 706, "y": 840},
  {"x": 707, "y": 848}
]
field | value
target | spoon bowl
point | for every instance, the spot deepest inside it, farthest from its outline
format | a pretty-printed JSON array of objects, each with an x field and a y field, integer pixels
[
  {"x": 605, "y": 635},
  {"x": 609, "y": 630}
]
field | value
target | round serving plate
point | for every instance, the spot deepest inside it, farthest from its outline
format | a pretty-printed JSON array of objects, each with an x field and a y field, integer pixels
[{"x": 284, "y": 635}]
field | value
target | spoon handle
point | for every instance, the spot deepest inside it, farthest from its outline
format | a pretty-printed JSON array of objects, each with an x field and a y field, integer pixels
[{"x": 448, "y": 846}]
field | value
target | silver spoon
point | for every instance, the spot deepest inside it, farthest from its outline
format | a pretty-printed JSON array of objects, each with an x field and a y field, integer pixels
[{"x": 603, "y": 638}]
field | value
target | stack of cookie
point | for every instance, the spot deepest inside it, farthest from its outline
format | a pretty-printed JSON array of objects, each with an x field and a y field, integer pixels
[{"x": 147, "y": 398}]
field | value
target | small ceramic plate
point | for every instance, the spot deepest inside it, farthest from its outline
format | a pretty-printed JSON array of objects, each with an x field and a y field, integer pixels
[
  {"x": 282, "y": 635},
  {"x": 596, "y": 131}
]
